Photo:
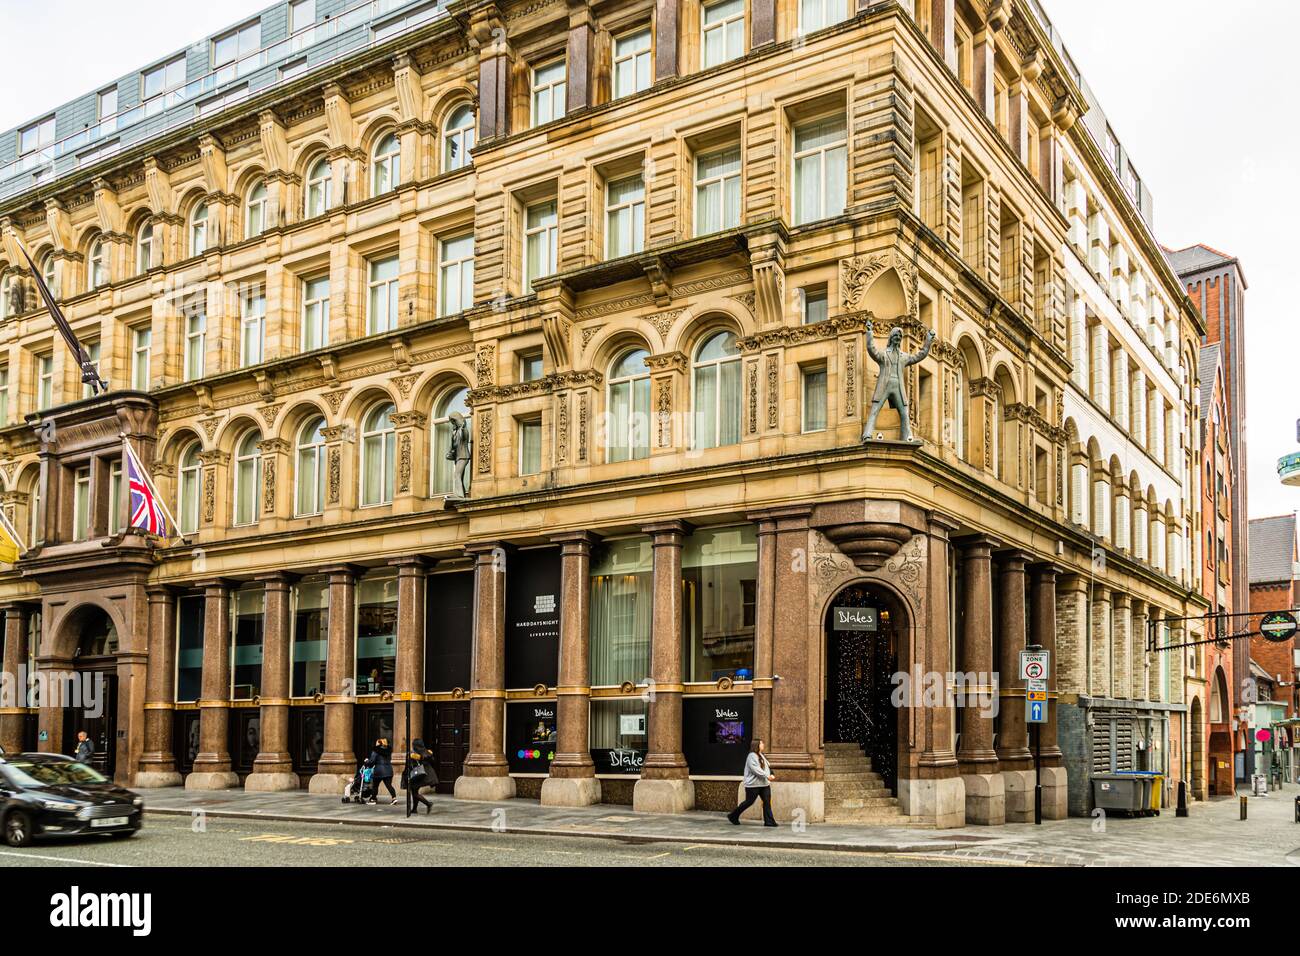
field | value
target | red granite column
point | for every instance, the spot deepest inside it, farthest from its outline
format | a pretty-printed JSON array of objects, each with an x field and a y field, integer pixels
[
  {"x": 1013, "y": 740},
  {"x": 487, "y": 775},
  {"x": 985, "y": 795},
  {"x": 412, "y": 579},
  {"x": 158, "y": 762},
  {"x": 763, "y": 14},
  {"x": 337, "y": 763},
  {"x": 1053, "y": 775},
  {"x": 665, "y": 785},
  {"x": 573, "y": 782},
  {"x": 212, "y": 770},
  {"x": 667, "y": 14},
  {"x": 764, "y": 628},
  {"x": 273, "y": 767},
  {"x": 13, "y": 705},
  {"x": 579, "y": 57}
]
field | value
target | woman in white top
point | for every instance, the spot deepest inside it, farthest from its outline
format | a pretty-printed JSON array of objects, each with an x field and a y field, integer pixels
[{"x": 758, "y": 778}]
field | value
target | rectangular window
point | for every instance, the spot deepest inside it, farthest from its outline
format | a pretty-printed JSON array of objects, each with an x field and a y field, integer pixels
[
  {"x": 302, "y": 14},
  {"x": 820, "y": 169},
  {"x": 315, "y": 313},
  {"x": 549, "y": 91},
  {"x": 632, "y": 63},
  {"x": 246, "y": 630},
  {"x": 717, "y": 191},
  {"x": 93, "y": 351},
  {"x": 161, "y": 79},
  {"x": 107, "y": 102},
  {"x": 115, "y": 497},
  {"x": 814, "y": 398},
  {"x": 541, "y": 242},
  {"x": 530, "y": 366},
  {"x": 381, "y": 313},
  {"x": 530, "y": 446},
  {"x": 724, "y": 32},
  {"x": 455, "y": 275},
  {"x": 816, "y": 14},
  {"x": 81, "y": 505},
  {"x": 141, "y": 349},
  {"x": 311, "y": 604},
  {"x": 719, "y": 571},
  {"x": 236, "y": 44},
  {"x": 196, "y": 339},
  {"x": 4, "y": 396},
  {"x": 189, "y": 650},
  {"x": 252, "y": 328},
  {"x": 44, "y": 381},
  {"x": 376, "y": 632},
  {"x": 816, "y": 304},
  {"x": 622, "y": 599},
  {"x": 37, "y": 136},
  {"x": 624, "y": 217}
]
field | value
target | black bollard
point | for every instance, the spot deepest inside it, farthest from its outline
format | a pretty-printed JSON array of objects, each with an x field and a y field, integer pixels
[
  {"x": 1243, "y": 806},
  {"x": 1182, "y": 799}
]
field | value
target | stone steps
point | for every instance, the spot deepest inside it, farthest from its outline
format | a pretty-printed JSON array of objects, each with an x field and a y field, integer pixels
[{"x": 855, "y": 793}]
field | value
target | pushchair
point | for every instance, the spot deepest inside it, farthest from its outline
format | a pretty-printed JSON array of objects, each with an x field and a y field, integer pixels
[{"x": 361, "y": 788}]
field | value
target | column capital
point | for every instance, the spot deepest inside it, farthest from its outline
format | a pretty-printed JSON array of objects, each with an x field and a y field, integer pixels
[
  {"x": 1119, "y": 599},
  {"x": 664, "y": 531},
  {"x": 481, "y": 549},
  {"x": 411, "y": 564},
  {"x": 574, "y": 542},
  {"x": 25, "y": 607},
  {"x": 1013, "y": 559},
  {"x": 209, "y": 585},
  {"x": 940, "y": 524},
  {"x": 1045, "y": 569},
  {"x": 975, "y": 546},
  {"x": 284, "y": 578}
]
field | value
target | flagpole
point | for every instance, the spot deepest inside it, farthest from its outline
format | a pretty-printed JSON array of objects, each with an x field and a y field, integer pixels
[{"x": 148, "y": 480}]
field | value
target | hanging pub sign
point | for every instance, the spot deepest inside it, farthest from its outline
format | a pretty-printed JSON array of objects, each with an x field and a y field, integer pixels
[
  {"x": 854, "y": 618},
  {"x": 1278, "y": 626}
]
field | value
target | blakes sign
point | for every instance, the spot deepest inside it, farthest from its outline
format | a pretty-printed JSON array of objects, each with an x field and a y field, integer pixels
[{"x": 854, "y": 618}]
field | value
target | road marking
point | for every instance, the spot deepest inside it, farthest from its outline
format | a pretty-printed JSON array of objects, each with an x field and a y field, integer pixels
[
  {"x": 60, "y": 859},
  {"x": 294, "y": 841}
]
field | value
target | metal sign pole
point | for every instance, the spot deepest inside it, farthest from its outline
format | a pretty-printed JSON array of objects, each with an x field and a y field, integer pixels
[
  {"x": 406, "y": 759},
  {"x": 1038, "y": 774}
]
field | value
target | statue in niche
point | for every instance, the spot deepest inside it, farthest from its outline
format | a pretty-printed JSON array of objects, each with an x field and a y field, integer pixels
[
  {"x": 889, "y": 381},
  {"x": 459, "y": 452}
]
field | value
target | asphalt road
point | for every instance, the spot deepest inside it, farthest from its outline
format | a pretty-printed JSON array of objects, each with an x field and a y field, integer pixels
[{"x": 170, "y": 841}]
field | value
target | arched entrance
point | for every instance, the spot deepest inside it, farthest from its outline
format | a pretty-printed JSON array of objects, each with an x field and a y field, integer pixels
[
  {"x": 1198, "y": 749},
  {"x": 864, "y": 631},
  {"x": 90, "y": 699}
]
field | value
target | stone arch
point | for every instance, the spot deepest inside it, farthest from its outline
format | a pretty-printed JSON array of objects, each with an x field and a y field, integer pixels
[
  {"x": 62, "y": 635},
  {"x": 696, "y": 322},
  {"x": 429, "y": 390},
  {"x": 294, "y": 418},
  {"x": 233, "y": 429},
  {"x": 308, "y": 153},
  {"x": 177, "y": 442},
  {"x": 445, "y": 102},
  {"x": 613, "y": 343},
  {"x": 359, "y": 405},
  {"x": 374, "y": 129}
]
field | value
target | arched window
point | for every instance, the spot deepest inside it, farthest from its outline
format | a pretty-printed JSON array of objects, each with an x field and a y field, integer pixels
[
  {"x": 458, "y": 138},
  {"x": 319, "y": 178},
  {"x": 716, "y": 387},
  {"x": 49, "y": 267},
  {"x": 199, "y": 230},
  {"x": 309, "y": 498},
  {"x": 97, "y": 271},
  {"x": 628, "y": 424},
  {"x": 248, "y": 479},
  {"x": 6, "y": 287},
  {"x": 255, "y": 211},
  {"x": 958, "y": 424},
  {"x": 387, "y": 165},
  {"x": 144, "y": 248},
  {"x": 378, "y": 442},
  {"x": 188, "y": 489},
  {"x": 442, "y": 471}
]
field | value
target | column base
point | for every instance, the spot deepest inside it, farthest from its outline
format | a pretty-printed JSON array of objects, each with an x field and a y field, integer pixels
[
  {"x": 941, "y": 802},
  {"x": 1018, "y": 785},
  {"x": 570, "y": 791},
  {"x": 211, "y": 780},
  {"x": 332, "y": 784},
  {"x": 489, "y": 789},
  {"x": 986, "y": 801},
  {"x": 271, "y": 781},
  {"x": 1056, "y": 794},
  {"x": 158, "y": 778},
  {"x": 800, "y": 801},
  {"x": 663, "y": 796}
]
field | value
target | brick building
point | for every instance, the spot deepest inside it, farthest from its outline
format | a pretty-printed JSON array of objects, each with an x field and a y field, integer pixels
[
  {"x": 1274, "y": 587},
  {"x": 634, "y": 247}
]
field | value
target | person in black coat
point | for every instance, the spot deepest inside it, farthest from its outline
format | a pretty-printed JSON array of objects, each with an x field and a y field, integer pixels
[
  {"x": 419, "y": 773},
  {"x": 382, "y": 760}
]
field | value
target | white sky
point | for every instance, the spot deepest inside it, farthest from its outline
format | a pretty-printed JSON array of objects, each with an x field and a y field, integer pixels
[{"x": 1200, "y": 94}]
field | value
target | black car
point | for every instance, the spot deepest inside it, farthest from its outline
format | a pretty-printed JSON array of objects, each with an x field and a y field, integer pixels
[{"x": 55, "y": 795}]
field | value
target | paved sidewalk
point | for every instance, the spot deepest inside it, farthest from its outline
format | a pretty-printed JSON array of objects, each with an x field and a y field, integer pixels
[{"x": 1211, "y": 836}]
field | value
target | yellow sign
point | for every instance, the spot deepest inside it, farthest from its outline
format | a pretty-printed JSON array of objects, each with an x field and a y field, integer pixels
[
  {"x": 406, "y": 695},
  {"x": 1036, "y": 695}
]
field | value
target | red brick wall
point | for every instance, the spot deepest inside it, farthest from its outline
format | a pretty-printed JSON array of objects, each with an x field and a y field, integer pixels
[{"x": 1275, "y": 658}]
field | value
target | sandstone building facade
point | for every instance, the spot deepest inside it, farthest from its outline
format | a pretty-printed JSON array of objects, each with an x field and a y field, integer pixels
[{"x": 636, "y": 246}]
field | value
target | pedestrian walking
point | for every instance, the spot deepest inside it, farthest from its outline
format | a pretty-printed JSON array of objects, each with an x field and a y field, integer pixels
[
  {"x": 381, "y": 758},
  {"x": 418, "y": 773},
  {"x": 85, "y": 749},
  {"x": 758, "y": 779}
]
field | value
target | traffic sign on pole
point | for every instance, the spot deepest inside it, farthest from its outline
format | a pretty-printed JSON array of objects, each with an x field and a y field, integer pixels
[
  {"x": 1035, "y": 664},
  {"x": 1036, "y": 711}
]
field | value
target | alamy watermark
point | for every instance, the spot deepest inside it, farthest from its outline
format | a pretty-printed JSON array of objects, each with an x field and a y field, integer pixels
[{"x": 83, "y": 690}]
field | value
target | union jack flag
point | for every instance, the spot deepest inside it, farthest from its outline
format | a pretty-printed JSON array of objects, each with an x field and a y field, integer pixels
[{"x": 147, "y": 512}]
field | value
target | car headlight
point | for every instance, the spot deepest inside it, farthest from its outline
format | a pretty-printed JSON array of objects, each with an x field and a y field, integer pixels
[
  {"x": 58, "y": 804},
  {"x": 138, "y": 803}
]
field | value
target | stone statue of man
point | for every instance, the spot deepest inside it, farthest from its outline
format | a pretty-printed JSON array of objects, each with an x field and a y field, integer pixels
[
  {"x": 889, "y": 382},
  {"x": 459, "y": 452}
]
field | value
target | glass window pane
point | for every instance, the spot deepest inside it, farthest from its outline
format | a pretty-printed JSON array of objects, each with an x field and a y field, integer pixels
[
  {"x": 622, "y": 599},
  {"x": 719, "y": 575}
]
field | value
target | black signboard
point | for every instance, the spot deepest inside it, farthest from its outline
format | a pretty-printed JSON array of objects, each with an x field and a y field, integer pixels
[
  {"x": 716, "y": 733},
  {"x": 530, "y": 736},
  {"x": 532, "y": 617},
  {"x": 1278, "y": 626},
  {"x": 448, "y": 631},
  {"x": 622, "y": 724}
]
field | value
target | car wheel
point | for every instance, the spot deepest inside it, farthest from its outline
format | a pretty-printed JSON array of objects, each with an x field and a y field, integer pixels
[{"x": 18, "y": 829}]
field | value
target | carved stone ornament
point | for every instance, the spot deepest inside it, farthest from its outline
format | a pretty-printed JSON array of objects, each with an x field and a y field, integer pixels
[{"x": 869, "y": 544}]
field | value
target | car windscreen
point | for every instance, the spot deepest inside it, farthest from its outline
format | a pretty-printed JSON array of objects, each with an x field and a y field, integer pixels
[{"x": 50, "y": 773}]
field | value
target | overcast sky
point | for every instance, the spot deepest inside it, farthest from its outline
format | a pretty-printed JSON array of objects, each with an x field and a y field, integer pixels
[{"x": 1200, "y": 93}]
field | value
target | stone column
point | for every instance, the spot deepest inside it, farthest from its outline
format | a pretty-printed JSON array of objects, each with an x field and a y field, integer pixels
[
  {"x": 936, "y": 792},
  {"x": 665, "y": 785},
  {"x": 158, "y": 762},
  {"x": 412, "y": 577},
  {"x": 1013, "y": 739},
  {"x": 573, "y": 782},
  {"x": 667, "y": 13},
  {"x": 1155, "y": 689},
  {"x": 764, "y": 629},
  {"x": 1043, "y": 634},
  {"x": 579, "y": 57},
  {"x": 212, "y": 770},
  {"x": 985, "y": 794},
  {"x": 337, "y": 763},
  {"x": 1099, "y": 644},
  {"x": 13, "y": 704},
  {"x": 1138, "y": 652},
  {"x": 273, "y": 767},
  {"x": 487, "y": 775},
  {"x": 1121, "y": 684}
]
